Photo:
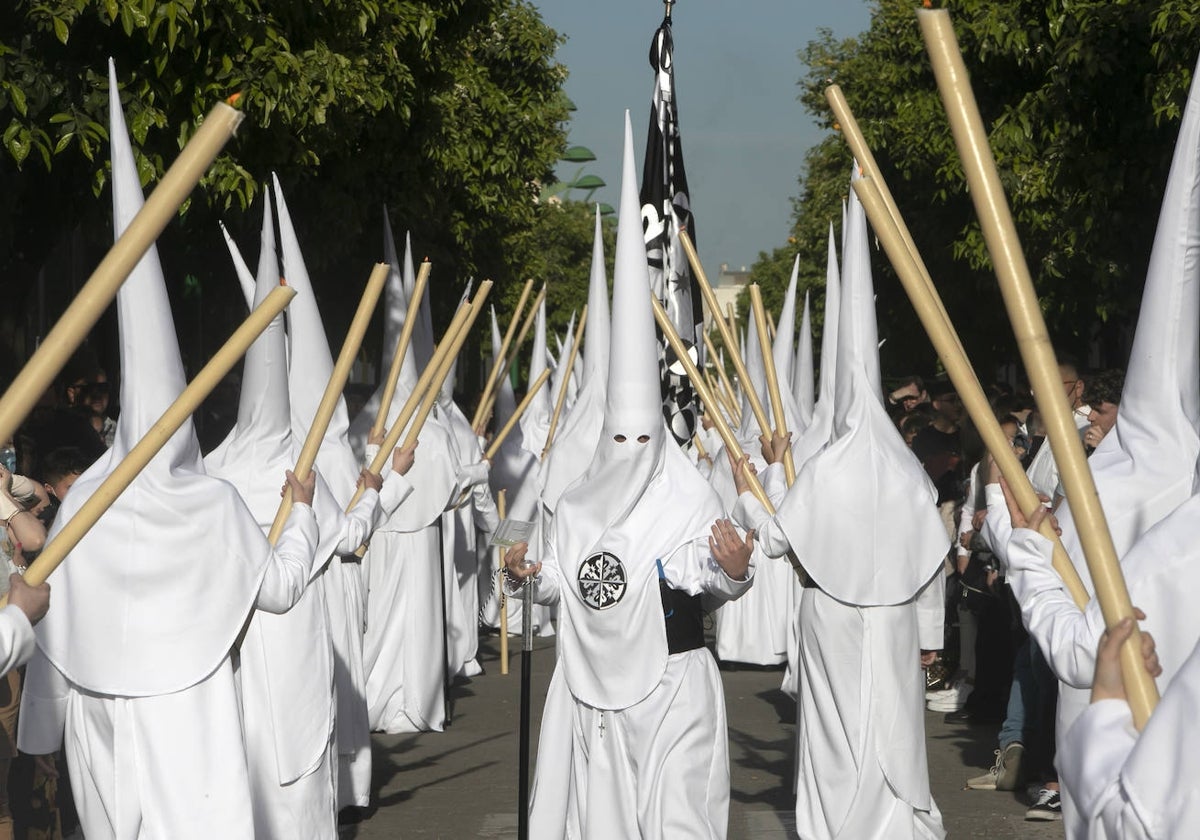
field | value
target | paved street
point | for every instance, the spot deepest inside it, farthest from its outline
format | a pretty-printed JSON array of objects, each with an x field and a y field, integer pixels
[{"x": 461, "y": 783}]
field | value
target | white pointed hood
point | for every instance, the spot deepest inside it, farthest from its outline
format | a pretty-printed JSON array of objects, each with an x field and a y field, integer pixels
[
  {"x": 896, "y": 540},
  {"x": 260, "y": 443},
  {"x": 310, "y": 365},
  {"x": 514, "y": 466},
  {"x": 783, "y": 355},
  {"x": 820, "y": 429},
  {"x": 135, "y": 609},
  {"x": 579, "y": 431},
  {"x": 466, "y": 443},
  {"x": 749, "y": 430},
  {"x": 395, "y": 307},
  {"x": 803, "y": 387},
  {"x": 1143, "y": 467},
  {"x": 595, "y": 345},
  {"x": 535, "y": 422},
  {"x": 245, "y": 276},
  {"x": 640, "y": 500}
]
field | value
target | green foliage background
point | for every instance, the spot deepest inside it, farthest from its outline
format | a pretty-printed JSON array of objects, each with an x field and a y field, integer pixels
[
  {"x": 1083, "y": 102},
  {"x": 449, "y": 111}
]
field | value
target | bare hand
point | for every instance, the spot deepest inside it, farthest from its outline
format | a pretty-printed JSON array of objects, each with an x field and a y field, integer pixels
[
  {"x": 33, "y": 600},
  {"x": 374, "y": 438},
  {"x": 368, "y": 480},
  {"x": 740, "y": 464},
  {"x": 1108, "y": 684},
  {"x": 302, "y": 491},
  {"x": 1093, "y": 436},
  {"x": 514, "y": 560},
  {"x": 727, "y": 548},
  {"x": 928, "y": 657},
  {"x": 403, "y": 458},
  {"x": 775, "y": 446},
  {"x": 706, "y": 422},
  {"x": 1017, "y": 516},
  {"x": 44, "y": 765},
  {"x": 6, "y": 480}
]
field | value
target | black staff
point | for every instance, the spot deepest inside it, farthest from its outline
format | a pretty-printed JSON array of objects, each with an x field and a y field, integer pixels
[{"x": 526, "y": 701}]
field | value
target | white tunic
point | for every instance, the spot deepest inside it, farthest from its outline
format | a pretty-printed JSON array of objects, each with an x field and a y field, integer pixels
[
  {"x": 164, "y": 765},
  {"x": 16, "y": 638},
  {"x": 861, "y": 769},
  {"x": 658, "y": 768}
]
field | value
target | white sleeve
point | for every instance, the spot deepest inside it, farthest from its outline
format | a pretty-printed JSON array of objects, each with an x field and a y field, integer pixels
[
  {"x": 1093, "y": 753},
  {"x": 997, "y": 528},
  {"x": 967, "y": 512},
  {"x": 43, "y": 715},
  {"x": 692, "y": 569},
  {"x": 774, "y": 482},
  {"x": 486, "y": 516},
  {"x": 749, "y": 513},
  {"x": 371, "y": 511},
  {"x": 291, "y": 564},
  {"x": 931, "y": 612},
  {"x": 16, "y": 638},
  {"x": 471, "y": 475},
  {"x": 546, "y": 583},
  {"x": 1066, "y": 635}
]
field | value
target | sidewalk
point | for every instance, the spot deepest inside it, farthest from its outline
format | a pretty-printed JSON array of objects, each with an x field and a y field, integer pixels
[{"x": 462, "y": 783}]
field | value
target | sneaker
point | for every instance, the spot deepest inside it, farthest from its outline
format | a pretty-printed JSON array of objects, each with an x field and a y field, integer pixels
[
  {"x": 1047, "y": 807},
  {"x": 948, "y": 699},
  {"x": 1003, "y": 774}
]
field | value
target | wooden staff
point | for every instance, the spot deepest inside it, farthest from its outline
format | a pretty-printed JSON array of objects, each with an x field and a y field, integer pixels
[
  {"x": 958, "y": 367},
  {"x": 731, "y": 395},
  {"x": 500, "y": 593},
  {"x": 700, "y": 450},
  {"x": 98, "y": 292},
  {"x": 566, "y": 381},
  {"x": 867, "y": 164},
  {"x": 789, "y": 465},
  {"x": 726, "y": 333},
  {"x": 410, "y": 323},
  {"x": 716, "y": 392},
  {"x": 392, "y": 439},
  {"x": 333, "y": 392},
  {"x": 516, "y": 348},
  {"x": 493, "y": 379},
  {"x": 498, "y": 440},
  {"x": 730, "y": 313},
  {"x": 156, "y": 437},
  {"x": 771, "y": 331},
  {"x": 1025, "y": 313},
  {"x": 877, "y": 200},
  {"x": 470, "y": 313}
]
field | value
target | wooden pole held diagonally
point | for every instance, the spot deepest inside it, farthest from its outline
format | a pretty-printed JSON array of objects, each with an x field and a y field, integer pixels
[
  {"x": 333, "y": 392},
  {"x": 98, "y": 292},
  {"x": 156, "y": 437},
  {"x": 789, "y": 465},
  {"x": 410, "y": 321},
  {"x": 1024, "y": 311},
  {"x": 566, "y": 381}
]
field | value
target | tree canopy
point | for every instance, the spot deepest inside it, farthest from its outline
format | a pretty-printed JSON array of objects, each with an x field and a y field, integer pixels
[
  {"x": 1082, "y": 101},
  {"x": 450, "y": 112}
]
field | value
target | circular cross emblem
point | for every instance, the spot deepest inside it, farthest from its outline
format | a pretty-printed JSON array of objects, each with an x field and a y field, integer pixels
[{"x": 601, "y": 581}]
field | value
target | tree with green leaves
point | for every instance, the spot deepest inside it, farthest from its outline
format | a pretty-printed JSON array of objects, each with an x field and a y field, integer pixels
[
  {"x": 449, "y": 111},
  {"x": 1083, "y": 102}
]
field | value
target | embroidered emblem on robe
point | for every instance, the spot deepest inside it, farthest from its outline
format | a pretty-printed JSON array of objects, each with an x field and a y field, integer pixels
[{"x": 602, "y": 580}]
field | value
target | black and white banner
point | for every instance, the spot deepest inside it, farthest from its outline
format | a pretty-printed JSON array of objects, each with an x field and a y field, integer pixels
[{"x": 666, "y": 210}]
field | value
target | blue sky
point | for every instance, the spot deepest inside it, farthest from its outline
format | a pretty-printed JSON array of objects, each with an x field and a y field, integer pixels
[{"x": 744, "y": 132}]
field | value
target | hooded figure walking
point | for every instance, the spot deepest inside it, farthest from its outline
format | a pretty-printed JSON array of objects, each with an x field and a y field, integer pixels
[{"x": 633, "y": 741}]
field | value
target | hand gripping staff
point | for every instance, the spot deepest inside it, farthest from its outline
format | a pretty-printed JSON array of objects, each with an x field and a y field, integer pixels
[
  {"x": 333, "y": 390},
  {"x": 1020, "y": 299}
]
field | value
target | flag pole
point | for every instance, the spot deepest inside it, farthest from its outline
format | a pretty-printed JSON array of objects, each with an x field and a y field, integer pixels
[
  {"x": 1024, "y": 311},
  {"x": 888, "y": 224},
  {"x": 74, "y": 530}
]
